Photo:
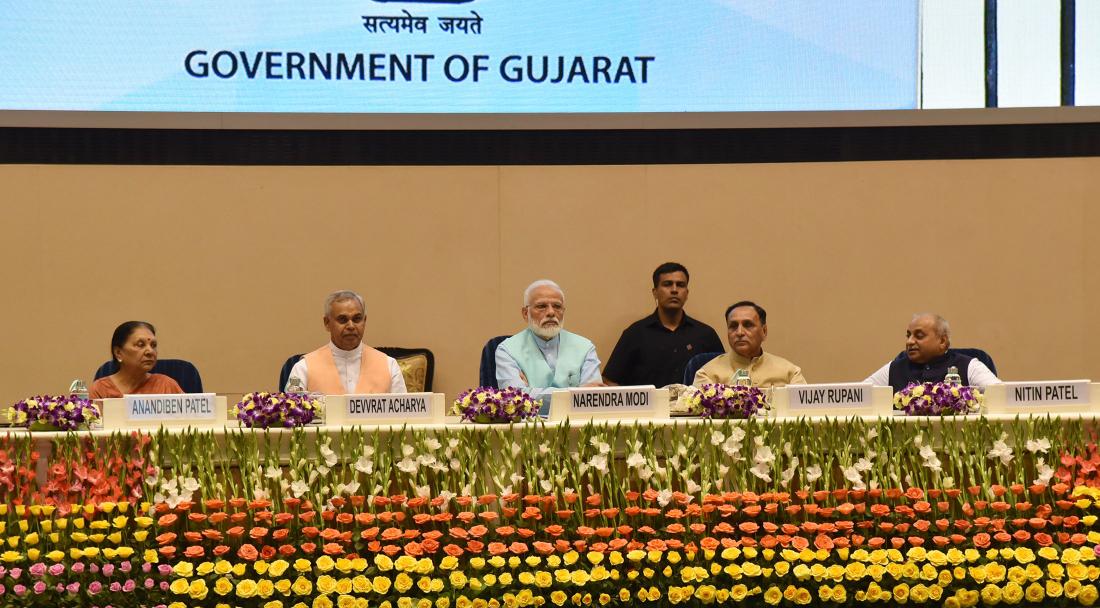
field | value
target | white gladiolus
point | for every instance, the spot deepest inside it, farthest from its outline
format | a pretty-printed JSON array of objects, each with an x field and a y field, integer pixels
[
  {"x": 273, "y": 472},
  {"x": 717, "y": 437},
  {"x": 664, "y": 497},
  {"x": 863, "y": 465},
  {"x": 599, "y": 462},
  {"x": 853, "y": 476},
  {"x": 364, "y": 465},
  {"x": 762, "y": 470},
  {"x": 1045, "y": 473},
  {"x": 408, "y": 465},
  {"x": 1001, "y": 450},
  {"x": 788, "y": 474},
  {"x": 692, "y": 487},
  {"x": 635, "y": 460},
  {"x": 407, "y": 450},
  {"x": 298, "y": 488},
  {"x": 1040, "y": 446},
  {"x": 432, "y": 444},
  {"x": 813, "y": 473}
]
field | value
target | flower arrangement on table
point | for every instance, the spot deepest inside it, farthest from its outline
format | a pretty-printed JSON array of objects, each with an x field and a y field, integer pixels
[
  {"x": 488, "y": 404},
  {"x": 724, "y": 401},
  {"x": 938, "y": 399},
  {"x": 45, "y": 412},
  {"x": 266, "y": 410}
]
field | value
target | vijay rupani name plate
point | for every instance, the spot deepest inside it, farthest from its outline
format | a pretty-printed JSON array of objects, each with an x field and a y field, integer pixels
[{"x": 855, "y": 399}]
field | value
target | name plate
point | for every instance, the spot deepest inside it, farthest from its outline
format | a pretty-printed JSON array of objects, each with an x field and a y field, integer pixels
[
  {"x": 388, "y": 408},
  {"x": 1043, "y": 396},
  {"x": 852, "y": 399},
  {"x": 609, "y": 402},
  {"x": 187, "y": 409}
]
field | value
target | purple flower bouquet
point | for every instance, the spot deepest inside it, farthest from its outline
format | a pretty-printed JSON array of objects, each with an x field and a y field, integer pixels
[
  {"x": 938, "y": 399},
  {"x": 724, "y": 401},
  {"x": 266, "y": 410},
  {"x": 488, "y": 405},
  {"x": 47, "y": 413}
]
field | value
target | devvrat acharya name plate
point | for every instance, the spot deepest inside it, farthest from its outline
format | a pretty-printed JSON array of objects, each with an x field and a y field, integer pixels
[{"x": 390, "y": 408}]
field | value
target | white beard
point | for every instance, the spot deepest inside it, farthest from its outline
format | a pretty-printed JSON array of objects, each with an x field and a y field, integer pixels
[{"x": 546, "y": 333}]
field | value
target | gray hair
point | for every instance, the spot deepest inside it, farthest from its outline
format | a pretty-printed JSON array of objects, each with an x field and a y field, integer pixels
[
  {"x": 340, "y": 296},
  {"x": 540, "y": 283},
  {"x": 943, "y": 328}
]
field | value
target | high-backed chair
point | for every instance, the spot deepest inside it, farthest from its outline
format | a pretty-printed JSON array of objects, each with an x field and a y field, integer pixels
[
  {"x": 695, "y": 363},
  {"x": 183, "y": 372},
  {"x": 417, "y": 367},
  {"x": 487, "y": 372}
]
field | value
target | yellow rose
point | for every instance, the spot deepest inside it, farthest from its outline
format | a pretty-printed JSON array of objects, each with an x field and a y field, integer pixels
[
  {"x": 326, "y": 584},
  {"x": 223, "y": 586},
  {"x": 198, "y": 589},
  {"x": 246, "y": 588},
  {"x": 381, "y": 585},
  {"x": 302, "y": 586},
  {"x": 773, "y": 595},
  {"x": 1012, "y": 593},
  {"x": 1087, "y": 595},
  {"x": 179, "y": 586}
]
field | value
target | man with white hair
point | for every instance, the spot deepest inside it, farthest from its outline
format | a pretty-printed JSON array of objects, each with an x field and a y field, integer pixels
[
  {"x": 544, "y": 356},
  {"x": 346, "y": 366},
  {"x": 928, "y": 357}
]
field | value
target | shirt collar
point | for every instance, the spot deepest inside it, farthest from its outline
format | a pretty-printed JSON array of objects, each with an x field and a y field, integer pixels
[
  {"x": 340, "y": 353},
  {"x": 654, "y": 320},
  {"x": 743, "y": 362},
  {"x": 550, "y": 344}
]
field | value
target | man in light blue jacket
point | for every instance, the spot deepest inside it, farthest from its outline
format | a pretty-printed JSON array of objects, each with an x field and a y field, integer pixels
[{"x": 544, "y": 357}]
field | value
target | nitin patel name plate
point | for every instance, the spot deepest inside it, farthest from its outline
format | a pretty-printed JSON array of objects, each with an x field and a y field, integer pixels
[{"x": 1041, "y": 396}]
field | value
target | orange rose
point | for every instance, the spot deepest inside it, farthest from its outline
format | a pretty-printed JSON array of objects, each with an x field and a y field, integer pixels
[
  {"x": 248, "y": 552},
  {"x": 411, "y": 548},
  {"x": 194, "y": 552}
]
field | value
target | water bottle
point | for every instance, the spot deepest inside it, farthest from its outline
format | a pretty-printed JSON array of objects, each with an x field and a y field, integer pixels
[
  {"x": 78, "y": 388},
  {"x": 952, "y": 376},
  {"x": 741, "y": 378},
  {"x": 294, "y": 386}
]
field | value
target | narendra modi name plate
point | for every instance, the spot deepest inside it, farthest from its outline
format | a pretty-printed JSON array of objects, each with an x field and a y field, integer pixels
[
  {"x": 832, "y": 399},
  {"x": 609, "y": 402},
  {"x": 185, "y": 409},
  {"x": 387, "y": 408},
  {"x": 1039, "y": 396}
]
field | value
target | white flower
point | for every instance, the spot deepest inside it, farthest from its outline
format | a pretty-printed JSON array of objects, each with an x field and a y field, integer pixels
[
  {"x": 349, "y": 489},
  {"x": 425, "y": 460},
  {"x": 455, "y": 464},
  {"x": 330, "y": 456},
  {"x": 788, "y": 474},
  {"x": 674, "y": 461},
  {"x": 423, "y": 491},
  {"x": 408, "y": 465},
  {"x": 432, "y": 444},
  {"x": 368, "y": 450},
  {"x": 322, "y": 470},
  {"x": 635, "y": 460},
  {"x": 1001, "y": 450},
  {"x": 515, "y": 478},
  {"x": 603, "y": 447},
  {"x": 544, "y": 449},
  {"x": 546, "y": 485},
  {"x": 763, "y": 454},
  {"x": 692, "y": 487},
  {"x": 364, "y": 465},
  {"x": 852, "y": 475},
  {"x": 298, "y": 488},
  {"x": 273, "y": 472},
  {"x": 645, "y": 473},
  {"x": 664, "y": 497},
  {"x": 762, "y": 470},
  {"x": 516, "y": 449},
  {"x": 1042, "y": 445},
  {"x": 599, "y": 462},
  {"x": 260, "y": 493},
  {"x": 930, "y": 459},
  {"x": 872, "y": 433},
  {"x": 813, "y": 473},
  {"x": 1044, "y": 471},
  {"x": 948, "y": 483},
  {"x": 723, "y": 470},
  {"x": 407, "y": 450},
  {"x": 189, "y": 485},
  {"x": 717, "y": 437},
  {"x": 863, "y": 465}
]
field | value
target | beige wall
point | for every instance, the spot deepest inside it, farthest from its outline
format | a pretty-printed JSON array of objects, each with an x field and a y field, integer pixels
[{"x": 232, "y": 263}]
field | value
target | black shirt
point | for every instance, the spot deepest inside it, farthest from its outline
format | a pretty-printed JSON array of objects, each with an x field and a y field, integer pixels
[{"x": 648, "y": 353}]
